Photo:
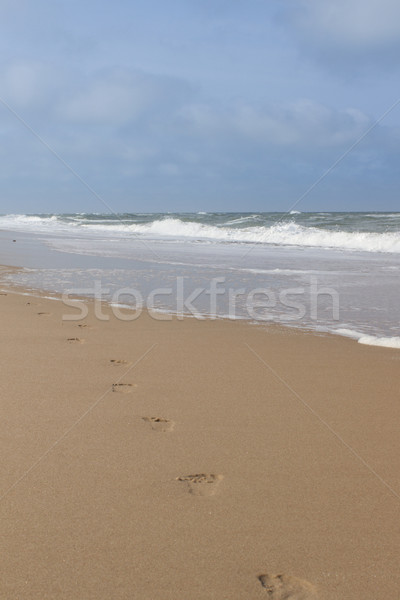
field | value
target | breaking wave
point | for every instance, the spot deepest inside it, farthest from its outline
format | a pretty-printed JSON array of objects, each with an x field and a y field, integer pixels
[{"x": 243, "y": 229}]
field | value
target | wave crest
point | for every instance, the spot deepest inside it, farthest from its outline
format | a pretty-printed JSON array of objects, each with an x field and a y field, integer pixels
[
  {"x": 278, "y": 234},
  {"x": 285, "y": 234}
]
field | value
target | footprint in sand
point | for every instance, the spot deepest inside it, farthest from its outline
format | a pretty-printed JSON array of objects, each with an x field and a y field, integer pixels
[
  {"x": 159, "y": 423},
  {"x": 123, "y": 388},
  {"x": 119, "y": 362},
  {"x": 75, "y": 340},
  {"x": 3, "y": 294},
  {"x": 202, "y": 484},
  {"x": 286, "y": 587}
]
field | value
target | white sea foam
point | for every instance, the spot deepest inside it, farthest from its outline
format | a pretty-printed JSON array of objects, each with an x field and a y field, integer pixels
[
  {"x": 370, "y": 340},
  {"x": 387, "y": 342},
  {"x": 241, "y": 220},
  {"x": 173, "y": 228},
  {"x": 384, "y": 215},
  {"x": 33, "y": 223},
  {"x": 156, "y": 249},
  {"x": 288, "y": 234}
]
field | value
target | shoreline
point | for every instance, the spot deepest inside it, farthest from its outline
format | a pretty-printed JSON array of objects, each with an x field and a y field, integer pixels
[
  {"x": 212, "y": 458},
  {"x": 350, "y": 293},
  {"x": 392, "y": 343}
]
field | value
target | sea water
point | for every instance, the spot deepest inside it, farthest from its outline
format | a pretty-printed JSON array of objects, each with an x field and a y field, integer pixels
[{"x": 323, "y": 271}]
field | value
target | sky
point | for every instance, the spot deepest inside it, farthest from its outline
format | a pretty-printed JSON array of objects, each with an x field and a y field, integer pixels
[{"x": 192, "y": 105}]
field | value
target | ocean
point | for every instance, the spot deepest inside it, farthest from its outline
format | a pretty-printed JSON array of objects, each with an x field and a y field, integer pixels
[{"x": 322, "y": 271}]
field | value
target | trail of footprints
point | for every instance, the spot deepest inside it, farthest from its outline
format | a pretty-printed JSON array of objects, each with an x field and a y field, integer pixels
[
  {"x": 199, "y": 484},
  {"x": 277, "y": 587}
]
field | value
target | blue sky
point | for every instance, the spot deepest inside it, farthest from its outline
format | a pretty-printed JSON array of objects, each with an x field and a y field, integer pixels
[{"x": 186, "y": 105}]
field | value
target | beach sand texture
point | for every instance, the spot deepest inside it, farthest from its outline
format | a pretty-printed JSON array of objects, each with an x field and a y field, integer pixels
[{"x": 191, "y": 460}]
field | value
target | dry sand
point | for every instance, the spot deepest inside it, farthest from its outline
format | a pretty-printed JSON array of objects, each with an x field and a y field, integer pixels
[{"x": 216, "y": 460}]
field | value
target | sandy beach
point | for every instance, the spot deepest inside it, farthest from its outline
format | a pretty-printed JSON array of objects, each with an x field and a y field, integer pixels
[{"x": 191, "y": 460}]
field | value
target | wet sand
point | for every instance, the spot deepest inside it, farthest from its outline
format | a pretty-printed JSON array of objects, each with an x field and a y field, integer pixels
[{"x": 191, "y": 460}]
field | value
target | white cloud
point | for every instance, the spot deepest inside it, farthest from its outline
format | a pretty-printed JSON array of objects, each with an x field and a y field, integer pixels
[
  {"x": 347, "y": 35},
  {"x": 27, "y": 83},
  {"x": 301, "y": 124},
  {"x": 124, "y": 123},
  {"x": 118, "y": 96},
  {"x": 353, "y": 22},
  {"x": 109, "y": 102}
]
